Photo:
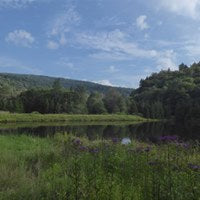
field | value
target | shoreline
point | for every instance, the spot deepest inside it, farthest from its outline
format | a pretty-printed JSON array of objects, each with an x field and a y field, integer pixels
[{"x": 24, "y": 117}]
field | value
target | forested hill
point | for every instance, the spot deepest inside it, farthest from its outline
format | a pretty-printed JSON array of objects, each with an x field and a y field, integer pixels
[
  {"x": 167, "y": 94},
  {"x": 21, "y": 82},
  {"x": 170, "y": 94}
]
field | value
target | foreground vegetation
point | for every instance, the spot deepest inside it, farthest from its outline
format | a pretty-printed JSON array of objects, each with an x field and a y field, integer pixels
[
  {"x": 36, "y": 117},
  {"x": 65, "y": 167}
]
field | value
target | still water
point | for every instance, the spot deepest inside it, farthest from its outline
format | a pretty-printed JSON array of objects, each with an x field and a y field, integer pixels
[{"x": 143, "y": 131}]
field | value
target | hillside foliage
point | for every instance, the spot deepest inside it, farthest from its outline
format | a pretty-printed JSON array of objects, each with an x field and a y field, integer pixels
[
  {"x": 164, "y": 95},
  {"x": 170, "y": 94}
]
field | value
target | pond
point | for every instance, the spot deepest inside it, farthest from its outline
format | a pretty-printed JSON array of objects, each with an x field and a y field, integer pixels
[{"x": 142, "y": 131}]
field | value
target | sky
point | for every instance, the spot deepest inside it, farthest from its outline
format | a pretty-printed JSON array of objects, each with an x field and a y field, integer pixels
[{"x": 111, "y": 42}]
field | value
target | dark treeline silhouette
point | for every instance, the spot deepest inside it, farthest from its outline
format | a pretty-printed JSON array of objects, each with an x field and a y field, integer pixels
[
  {"x": 61, "y": 100},
  {"x": 167, "y": 94}
]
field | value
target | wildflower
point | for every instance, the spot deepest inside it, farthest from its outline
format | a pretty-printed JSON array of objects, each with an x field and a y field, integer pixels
[
  {"x": 194, "y": 167},
  {"x": 115, "y": 140},
  {"x": 77, "y": 142},
  {"x": 168, "y": 138},
  {"x": 184, "y": 145},
  {"x": 83, "y": 148}
]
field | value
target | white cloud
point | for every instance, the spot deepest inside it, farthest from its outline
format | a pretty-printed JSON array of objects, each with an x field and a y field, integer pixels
[
  {"x": 167, "y": 60},
  {"x": 104, "y": 82},
  {"x": 141, "y": 22},
  {"x": 118, "y": 46},
  {"x": 21, "y": 38},
  {"x": 188, "y": 8},
  {"x": 52, "y": 45},
  {"x": 114, "y": 45}
]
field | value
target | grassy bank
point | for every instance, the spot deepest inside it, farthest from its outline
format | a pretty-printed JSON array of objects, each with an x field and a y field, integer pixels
[
  {"x": 65, "y": 167},
  {"x": 10, "y": 118}
]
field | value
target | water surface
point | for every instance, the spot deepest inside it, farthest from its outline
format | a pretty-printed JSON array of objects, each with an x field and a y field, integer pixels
[{"x": 141, "y": 131}]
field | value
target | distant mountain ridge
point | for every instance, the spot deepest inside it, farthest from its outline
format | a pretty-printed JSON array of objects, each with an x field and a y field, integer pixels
[{"x": 21, "y": 82}]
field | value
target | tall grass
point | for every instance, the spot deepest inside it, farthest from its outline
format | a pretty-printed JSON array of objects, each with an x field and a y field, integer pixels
[
  {"x": 66, "y": 167},
  {"x": 5, "y": 118}
]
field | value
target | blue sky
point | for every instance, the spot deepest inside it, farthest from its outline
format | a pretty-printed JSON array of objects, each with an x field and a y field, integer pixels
[{"x": 112, "y": 42}]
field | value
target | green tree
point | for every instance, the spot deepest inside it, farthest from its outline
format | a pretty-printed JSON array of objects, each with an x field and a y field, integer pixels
[
  {"x": 114, "y": 102},
  {"x": 95, "y": 104}
]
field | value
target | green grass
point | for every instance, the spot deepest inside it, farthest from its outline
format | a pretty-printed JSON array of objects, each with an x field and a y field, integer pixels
[
  {"x": 12, "y": 118},
  {"x": 60, "y": 168}
]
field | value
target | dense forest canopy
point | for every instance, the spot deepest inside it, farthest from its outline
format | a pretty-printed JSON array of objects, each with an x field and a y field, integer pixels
[
  {"x": 170, "y": 94},
  {"x": 167, "y": 94}
]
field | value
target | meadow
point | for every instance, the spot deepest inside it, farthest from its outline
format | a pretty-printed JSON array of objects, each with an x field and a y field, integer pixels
[
  {"x": 36, "y": 117},
  {"x": 67, "y": 167}
]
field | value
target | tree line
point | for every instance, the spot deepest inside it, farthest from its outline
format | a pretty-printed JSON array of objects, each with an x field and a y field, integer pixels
[
  {"x": 167, "y": 94},
  {"x": 59, "y": 100},
  {"x": 171, "y": 94}
]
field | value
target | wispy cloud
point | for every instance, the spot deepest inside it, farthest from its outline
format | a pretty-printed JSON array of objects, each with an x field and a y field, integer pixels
[
  {"x": 62, "y": 24},
  {"x": 167, "y": 60},
  {"x": 189, "y": 8},
  {"x": 18, "y": 3},
  {"x": 113, "y": 45},
  {"x": 141, "y": 22},
  {"x": 119, "y": 46},
  {"x": 20, "y": 37},
  {"x": 52, "y": 45}
]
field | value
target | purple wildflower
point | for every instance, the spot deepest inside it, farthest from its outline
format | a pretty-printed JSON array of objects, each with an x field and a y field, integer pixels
[
  {"x": 169, "y": 138},
  {"x": 194, "y": 167},
  {"x": 115, "y": 140},
  {"x": 184, "y": 145},
  {"x": 83, "y": 148},
  {"x": 77, "y": 142}
]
